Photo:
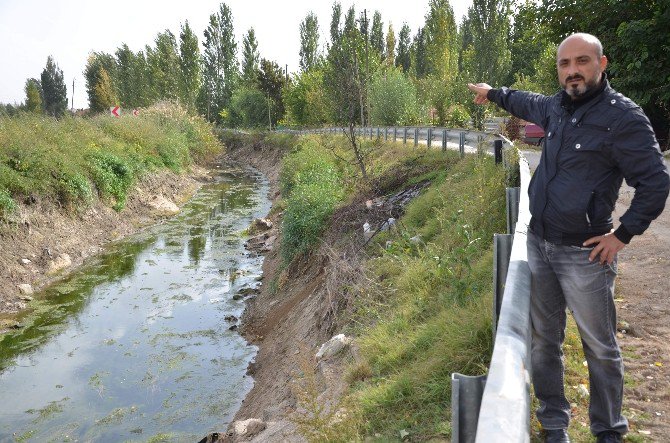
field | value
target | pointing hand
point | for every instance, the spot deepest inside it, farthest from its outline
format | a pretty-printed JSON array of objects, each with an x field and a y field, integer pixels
[{"x": 480, "y": 89}]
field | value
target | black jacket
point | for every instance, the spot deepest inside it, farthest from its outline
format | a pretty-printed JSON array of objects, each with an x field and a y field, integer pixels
[{"x": 585, "y": 157}]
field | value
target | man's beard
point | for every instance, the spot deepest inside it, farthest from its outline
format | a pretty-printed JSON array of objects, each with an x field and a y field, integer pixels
[{"x": 578, "y": 91}]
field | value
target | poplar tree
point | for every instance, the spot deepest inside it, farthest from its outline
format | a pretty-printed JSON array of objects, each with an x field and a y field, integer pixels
[
  {"x": 389, "y": 55},
  {"x": 220, "y": 69},
  {"x": 250, "y": 57},
  {"x": 190, "y": 77},
  {"x": 97, "y": 60},
  {"x": 309, "y": 42},
  {"x": 377, "y": 35},
  {"x": 53, "y": 89},
  {"x": 163, "y": 62},
  {"x": 105, "y": 95},
  {"x": 441, "y": 41},
  {"x": 335, "y": 29},
  {"x": 33, "y": 91},
  {"x": 403, "y": 59}
]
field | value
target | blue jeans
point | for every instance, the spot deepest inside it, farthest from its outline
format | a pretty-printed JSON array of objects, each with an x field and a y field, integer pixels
[{"x": 562, "y": 276}]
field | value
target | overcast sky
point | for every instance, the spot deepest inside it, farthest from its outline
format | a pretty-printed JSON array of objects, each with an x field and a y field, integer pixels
[{"x": 31, "y": 30}]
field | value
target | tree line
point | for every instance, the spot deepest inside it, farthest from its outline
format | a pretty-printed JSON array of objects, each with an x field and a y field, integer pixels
[{"x": 369, "y": 73}]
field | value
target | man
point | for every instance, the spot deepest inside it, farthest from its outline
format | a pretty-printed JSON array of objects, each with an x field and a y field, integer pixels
[{"x": 595, "y": 137}]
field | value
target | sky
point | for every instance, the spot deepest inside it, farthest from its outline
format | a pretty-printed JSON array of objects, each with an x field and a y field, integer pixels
[{"x": 31, "y": 30}]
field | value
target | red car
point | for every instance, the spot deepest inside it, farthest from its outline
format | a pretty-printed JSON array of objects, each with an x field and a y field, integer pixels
[{"x": 533, "y": 134}]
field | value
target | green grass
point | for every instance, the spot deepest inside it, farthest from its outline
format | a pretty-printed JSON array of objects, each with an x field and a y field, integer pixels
[
  {"x": 75, "y": 160},
  {"x": 424, "y": 310}
]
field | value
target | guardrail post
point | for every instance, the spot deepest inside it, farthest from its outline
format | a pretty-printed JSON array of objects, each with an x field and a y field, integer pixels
[
  {"x": 429, "y": 137},
  {"x": 416, "y": 137},
  {"x": 404, "y": 135},
  {"x": 379, "y": 133},
  {"x": 444, "y": 140},
  {"x": 386, "y": 133},
  {"x": 461, "y": 144},
  {"x": 497, "y": 151},
  {"x": 502, "y": 248},
  {"x": 466, "y": 400},
  {"x": 513, "y": 195},
  {"x": 395, "y": 134}
]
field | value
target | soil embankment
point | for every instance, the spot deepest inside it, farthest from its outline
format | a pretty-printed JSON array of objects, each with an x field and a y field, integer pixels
[
  {"x": 288, "y": 324},
  {"x": 46, "y": 242}
]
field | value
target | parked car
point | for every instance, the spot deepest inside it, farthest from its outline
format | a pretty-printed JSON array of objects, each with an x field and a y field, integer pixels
[{"x": 533, "y": 134}]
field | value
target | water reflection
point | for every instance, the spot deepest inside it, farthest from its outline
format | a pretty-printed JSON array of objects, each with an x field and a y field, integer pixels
[{"x": 136, "y": 343}]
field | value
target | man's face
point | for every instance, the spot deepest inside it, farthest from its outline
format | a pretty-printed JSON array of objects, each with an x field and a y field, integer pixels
[{"x": 579, "y": 67}]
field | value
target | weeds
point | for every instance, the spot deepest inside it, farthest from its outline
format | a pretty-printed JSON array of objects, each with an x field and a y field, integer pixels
[{"x": 73, "y": 159}]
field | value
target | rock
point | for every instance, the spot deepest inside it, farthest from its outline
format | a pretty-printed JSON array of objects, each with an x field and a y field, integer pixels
[
  {"x": 25, "y": 261},
  {"x": 26, "y": 290},
  {"x": 260, "y": 225},
  {"x": 247, "y": 291},
  {"x": 61, "y": 262},
  {"x": 162, "y": 205},
  {"x": 246, "y": 429},
  {"x": 333, "y": 346},
  {"x": 233, "y": 328},
  {"x": 416, "y": 240},
  {"x": 9, "y": 324},
  {"x": 582, "y": 390},
  {"x": 237, "y": 297},
  {"x": 230, "y": 318}
]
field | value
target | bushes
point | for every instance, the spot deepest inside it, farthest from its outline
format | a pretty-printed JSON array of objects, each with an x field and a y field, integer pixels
[
  {"x": 72, "y": 158},
  {"x": 312, "y": 186},
  {"x": 7, "y": 204}
]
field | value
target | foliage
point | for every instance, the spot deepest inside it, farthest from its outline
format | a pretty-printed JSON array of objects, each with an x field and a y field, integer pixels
[
  {"x": 488, "y": 57},
  {"x": 309, "y": 42},
  {"x": 389, "y": 53},
  {"x": 190, "y": 74},
  {"x": 312, "y": 186},
  {"x": 377, "y": 35},
  {"x": 271, "y": 82},
  {"x": 250, "y": 58},
  {"x": 97, "y": 63},
  {"x": 104, "y": 95},
  {"x": 306, "y": 100},
  {"x": 7, "y": 204},
  {"x": 403, "y": 59},
  {"x": 75, "y": 160},
  {"x": 33, "y": 91},
  {"x": 164, "y": 69},
  {"x": 528, "y": 40},
  {"x": 54, "y": 91},
  {"x": 220, "y": 71},
  {"x": 248, "y": 109},
  {"x": 393, "y": 99},
  {"x": 457, "y": 116},
  {"x": 441, "y": 41}
]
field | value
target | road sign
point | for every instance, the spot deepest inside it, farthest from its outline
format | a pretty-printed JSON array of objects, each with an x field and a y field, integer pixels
[
  {"x": 136, "y": 112},
  {"x": 115, "y": 111}
]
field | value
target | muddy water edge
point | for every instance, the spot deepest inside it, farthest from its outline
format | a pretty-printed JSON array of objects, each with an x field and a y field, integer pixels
[{"x": 140, "y": 343}]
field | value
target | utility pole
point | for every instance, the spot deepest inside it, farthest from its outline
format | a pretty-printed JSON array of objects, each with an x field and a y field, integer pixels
[
  {"x": 73, "y": 95},
  {"x": 286, "y": 71},
  {"x": 269, "y": 117}
]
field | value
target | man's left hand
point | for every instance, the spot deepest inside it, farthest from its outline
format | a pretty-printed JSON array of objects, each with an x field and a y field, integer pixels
[{"x": 606, "y": 246}]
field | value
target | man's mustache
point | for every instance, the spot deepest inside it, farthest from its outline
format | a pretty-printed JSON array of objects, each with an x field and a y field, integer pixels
[{"x": 574, "y": 77}]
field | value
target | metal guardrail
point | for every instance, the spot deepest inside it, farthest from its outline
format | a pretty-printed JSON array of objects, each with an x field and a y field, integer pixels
[
  {"x": 504, "y": 415},
  {"x": 415, "y": 135}
]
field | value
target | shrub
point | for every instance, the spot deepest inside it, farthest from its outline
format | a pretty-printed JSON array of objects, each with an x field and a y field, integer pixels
[
  {"x": 312, "y": 186},
  {"x": 112, "y": 176},
  {"x": 7, "y": 204}
]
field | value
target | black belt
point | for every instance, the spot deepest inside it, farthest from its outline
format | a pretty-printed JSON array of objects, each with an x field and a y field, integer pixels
[{"x": 564, "y": 238}]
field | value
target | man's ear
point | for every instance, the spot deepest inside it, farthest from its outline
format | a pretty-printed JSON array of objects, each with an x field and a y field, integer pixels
[{"x": 603, "y": 63}]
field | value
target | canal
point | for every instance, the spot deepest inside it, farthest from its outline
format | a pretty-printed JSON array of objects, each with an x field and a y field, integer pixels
[{"x": 140, "y": 344}]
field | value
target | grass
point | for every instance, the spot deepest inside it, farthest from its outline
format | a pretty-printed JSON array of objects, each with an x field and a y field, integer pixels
[
  {"x": 424, "y": 310},
  {"x": 75, "y": 160}
]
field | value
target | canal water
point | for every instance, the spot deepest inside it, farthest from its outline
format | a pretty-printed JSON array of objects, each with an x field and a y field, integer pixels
[{"x": 136, "y": 346}]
